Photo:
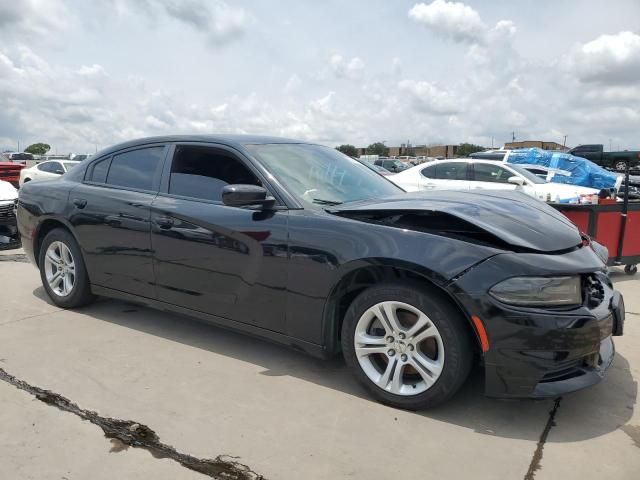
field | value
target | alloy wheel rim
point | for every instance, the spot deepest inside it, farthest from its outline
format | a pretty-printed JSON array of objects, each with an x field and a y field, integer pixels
[
  {"x": 399, "y": 348},
  {"x": 60, "y": 269}
]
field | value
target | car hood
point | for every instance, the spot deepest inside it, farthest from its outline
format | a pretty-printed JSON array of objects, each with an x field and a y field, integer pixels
[
  {"x": 509, "y": 219},
  {"x": 7, "y": 191}
]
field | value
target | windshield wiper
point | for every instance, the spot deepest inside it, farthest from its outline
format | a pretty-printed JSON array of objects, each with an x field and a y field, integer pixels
[{"x": 320, "y": 201}]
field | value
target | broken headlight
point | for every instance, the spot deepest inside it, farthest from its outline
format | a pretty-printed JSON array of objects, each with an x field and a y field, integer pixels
[{"x": 539, "y": 291}]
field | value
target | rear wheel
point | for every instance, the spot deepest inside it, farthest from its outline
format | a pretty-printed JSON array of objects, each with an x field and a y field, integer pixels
[
  {"x": 62, "y": 270},
  {"x": 407, "y": 345}
]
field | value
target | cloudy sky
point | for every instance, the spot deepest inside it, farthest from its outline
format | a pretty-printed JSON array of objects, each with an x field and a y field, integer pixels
[{"x": 79, "y": 74}]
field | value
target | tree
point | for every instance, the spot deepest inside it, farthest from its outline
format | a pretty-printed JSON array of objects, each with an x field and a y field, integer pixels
[
  {"x": 378, "y": 148},
  {"x": 38, "y": 148},
  {"x": 466, "y": 149},
  {"x": 348, "y": 150}
]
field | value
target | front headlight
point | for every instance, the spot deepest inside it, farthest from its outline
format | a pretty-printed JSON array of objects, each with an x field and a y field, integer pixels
[{"x": 539, "y": 291}]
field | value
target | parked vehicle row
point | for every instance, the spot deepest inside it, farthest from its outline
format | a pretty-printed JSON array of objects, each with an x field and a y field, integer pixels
[
  {"x": 300, "y": 244},
  {"x": 471, "y": 174}
]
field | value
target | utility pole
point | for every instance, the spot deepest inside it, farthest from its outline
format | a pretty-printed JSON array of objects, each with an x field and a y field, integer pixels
[
  {"x": 492, "y": 142},
  {"x": 18, "y": 145},
  {"x": 609, "y": 144},
  {"x": 564, "y": 144},
  {"x": 513, "y": 136}
]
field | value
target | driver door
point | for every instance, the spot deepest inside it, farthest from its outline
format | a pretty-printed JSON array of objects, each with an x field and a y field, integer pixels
[{"x": 225, "y": 261}]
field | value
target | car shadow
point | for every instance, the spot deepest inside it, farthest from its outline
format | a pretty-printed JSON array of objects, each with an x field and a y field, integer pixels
[{"x": 596, "y": 411}]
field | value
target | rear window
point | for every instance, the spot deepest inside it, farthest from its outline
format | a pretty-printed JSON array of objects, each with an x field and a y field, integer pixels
[
  {"x": 451, "y": 171},
  {"x": 135, "y": 169},
  {"x": 98, "y": 171}
]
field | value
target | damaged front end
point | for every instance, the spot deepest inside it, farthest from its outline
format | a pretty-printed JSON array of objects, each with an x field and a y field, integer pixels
[
  {"x": 511, "y": 221},
  {"x": 546, "y": 306}
]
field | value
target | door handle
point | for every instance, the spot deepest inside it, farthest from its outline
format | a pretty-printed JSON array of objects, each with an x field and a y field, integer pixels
[
  {"x": 164, "y": 223},
  {"x": 80, "y": 202}
]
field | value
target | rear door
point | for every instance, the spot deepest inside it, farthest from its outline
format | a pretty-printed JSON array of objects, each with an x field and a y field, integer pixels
[
  {"x": 112, "y": 218},
  {"x": 225, "y": 261}
]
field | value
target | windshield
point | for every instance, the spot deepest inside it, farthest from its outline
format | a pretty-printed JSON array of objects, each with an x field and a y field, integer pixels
[
  {"x": 533, "y": 178},
  {"x": 322, "y": 175}
]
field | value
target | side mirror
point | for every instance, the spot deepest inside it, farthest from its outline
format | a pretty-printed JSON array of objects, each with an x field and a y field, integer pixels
[
  {"x": 59, "y": 171},
  {"x": 516, "y": 180},
  {"x": 246, "y": 195}
]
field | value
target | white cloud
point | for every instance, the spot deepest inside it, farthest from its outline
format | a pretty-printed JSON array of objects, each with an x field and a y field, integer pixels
[
  {"x": 220, "y": 22},
  {"x": 427, "y": 97},
  {"x": 293, "y": 83},
  {"x": 609, "y": 59},
  {"x": 453, "y": 20},
  {"x": 31, "y": 19},
  {"x": 396, "y": 66},
  {"x": 94, "y": 69},
  {"x": 343, "y": 68}
]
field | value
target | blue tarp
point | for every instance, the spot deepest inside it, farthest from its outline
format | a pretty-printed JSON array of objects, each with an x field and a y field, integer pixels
[{"x": 583, "y": 172}]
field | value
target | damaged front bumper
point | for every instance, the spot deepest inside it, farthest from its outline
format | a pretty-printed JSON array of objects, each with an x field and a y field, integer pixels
[{"x": 538, "y": 352}]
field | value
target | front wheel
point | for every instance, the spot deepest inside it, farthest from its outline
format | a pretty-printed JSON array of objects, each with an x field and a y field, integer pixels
[
  {"x": 62, "y": 270},
  {"x": 407, "y": 345}
]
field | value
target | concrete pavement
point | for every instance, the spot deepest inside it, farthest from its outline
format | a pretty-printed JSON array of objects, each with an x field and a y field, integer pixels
[{"x": 209, "y": 392}]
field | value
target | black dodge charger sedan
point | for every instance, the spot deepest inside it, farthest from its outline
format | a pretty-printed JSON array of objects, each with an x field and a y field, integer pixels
[{"x": 301, "y": 245}]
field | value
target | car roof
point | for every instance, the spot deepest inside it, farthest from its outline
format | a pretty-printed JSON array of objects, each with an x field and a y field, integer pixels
[{"x": 231, "y": 140}]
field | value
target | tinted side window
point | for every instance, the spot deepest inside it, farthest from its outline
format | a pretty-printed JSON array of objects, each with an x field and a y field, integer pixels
[
  {"x": 429, "y": 172},
  {"x": 135, "y": 169},
  {"x": 98, "y": 171},
  {"x": 451, "y": 171},
  {"x": 202, "y": 172},
  {"x": 483, "y": 172},
  {"x": 49, "y": 167}
]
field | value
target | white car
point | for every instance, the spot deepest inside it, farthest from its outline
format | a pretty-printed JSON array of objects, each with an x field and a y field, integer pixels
[
  {"x": 469, "y": 174},
  {"x": 48, "y": 170}
]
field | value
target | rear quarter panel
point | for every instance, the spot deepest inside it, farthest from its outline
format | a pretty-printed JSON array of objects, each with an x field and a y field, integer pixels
[{"x": 39, "y": 202}]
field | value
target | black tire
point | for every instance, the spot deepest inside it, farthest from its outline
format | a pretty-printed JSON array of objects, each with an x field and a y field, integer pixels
[
  {"x": 81, "y": 292},
  {"x": 451, "y": 324},
  {"x": 631, "y": 269}
]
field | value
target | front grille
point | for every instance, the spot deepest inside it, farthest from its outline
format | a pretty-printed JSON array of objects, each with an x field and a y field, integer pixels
[
  {"x": 563, "y": 374},
  {"x": 7, "y": 211},
  {"x": 593, "y": 290}
]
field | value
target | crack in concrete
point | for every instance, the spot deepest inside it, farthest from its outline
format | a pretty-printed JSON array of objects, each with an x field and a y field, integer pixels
[
  {"x": 32, "y": 316},
  {"x": 128, "y": 433},
  {"x": 536, "y": 460}
]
